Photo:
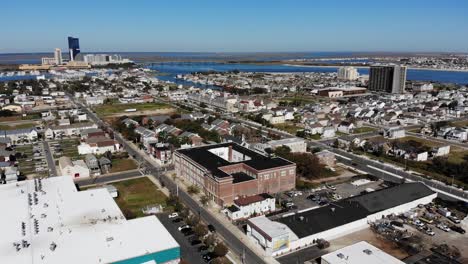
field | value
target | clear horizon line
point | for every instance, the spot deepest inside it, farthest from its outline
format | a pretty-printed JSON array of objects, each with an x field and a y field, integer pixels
[{"x": 243, "y": 52}]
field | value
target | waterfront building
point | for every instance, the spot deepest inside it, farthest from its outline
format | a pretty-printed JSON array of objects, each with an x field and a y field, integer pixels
[
  {"x": 74, "y": 47},
  {"x": 104, "y": 59},
  {"x": 58, "y": 56},
  {"x": 347, "y": 73},
  {"x": 387, "y": 78},
  {"x": 48, "y": 61}
]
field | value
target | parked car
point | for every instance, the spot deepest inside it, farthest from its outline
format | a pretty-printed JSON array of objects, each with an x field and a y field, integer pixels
[
  {"x": 454, "y": 219},
  {"x": 188, "y": 232},
  {"x": 177, "y": 220},
  {"x": 458, "y": 229},
  {"x": 208, "y": 256},
  {"x": 211, "y": 228},
  {"x": 180, "y": 228},
  {"x": 195, "y": 242},
  {"x": 202, "y": 248},
  {"x": 173, "y": 215},
  {"x": 429, "y": 232},
  {"x": 443, "y": 227}
]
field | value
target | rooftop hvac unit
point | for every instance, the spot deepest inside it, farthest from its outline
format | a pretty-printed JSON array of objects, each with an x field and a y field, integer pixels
[
  {"x": 53, "y": 246},
  {"x": 367, "y": 251}
]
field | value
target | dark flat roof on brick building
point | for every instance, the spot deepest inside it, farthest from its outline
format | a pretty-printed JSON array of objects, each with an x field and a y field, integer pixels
[{"x": 212, "y": 162}]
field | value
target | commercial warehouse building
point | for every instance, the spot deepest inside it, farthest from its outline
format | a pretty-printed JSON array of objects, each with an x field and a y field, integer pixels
[
  {"x": 359, "y": 253},
  {"x": 297, "y": 230},
  {"x": 49, "y": 221},
  {"x": 228, "y": 171}
]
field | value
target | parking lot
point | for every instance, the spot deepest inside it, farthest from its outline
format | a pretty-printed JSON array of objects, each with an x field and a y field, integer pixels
[
  {"x": 32, "y": 162},
  {"x": 326, "y": 193},
  {"x": 189, "y": 252}
]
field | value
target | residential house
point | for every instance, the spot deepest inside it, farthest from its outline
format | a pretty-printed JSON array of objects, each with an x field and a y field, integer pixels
[
  {"x": 98, "y": 145},
  {"x": 75, "y": 169},
  {"x": 346, "y": 127},
  {"x": 246, "y": 206},
  {"x": 327, "y": 158},
  {"x": 296, "y": 144},
  {"x": 68, "y": 130},
  {"x": 18, "y": 135},
  {"x": 161, "y": 152},
  {"x": 93, "y": 164},
  {"x": 394, "y": 133},
  {"x": 146, "y": 136},
  {"x": 128, "y": 122},
  {"x": 105, "y": 164},
  {"x": 91, "y": 132},
  {"x": 440, "y": 151},
  {"x": 328, "y": 132}
]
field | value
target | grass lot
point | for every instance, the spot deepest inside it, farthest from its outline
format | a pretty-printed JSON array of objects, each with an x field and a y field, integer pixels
[
  {"x": 340, "y": 134},
  {"x": 122, "y": 165},
  {"x": 110, "y": 109},
  {"x": 288, "y": 127},
  {"x": 300, "y": 99},
  {"x": 315, "y": 137},
  {"x": 457, "y": 156},
  {"x": 462, "y": 123},
  {"x": 425, "y": 142},
  {"x": 135, "y": 194},
  {"x": 364, "y": 129},
  {"x": 19, "y": 126}
]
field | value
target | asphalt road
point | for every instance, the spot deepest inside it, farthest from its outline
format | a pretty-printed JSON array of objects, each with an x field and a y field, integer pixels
[
  {"x": 50, "y": 159},
  {"x": 234, "y": 244},
  {"x": 109, "y": 178}
]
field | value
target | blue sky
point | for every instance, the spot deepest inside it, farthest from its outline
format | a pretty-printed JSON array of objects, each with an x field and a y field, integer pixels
[{"x": 237, "y": 26}]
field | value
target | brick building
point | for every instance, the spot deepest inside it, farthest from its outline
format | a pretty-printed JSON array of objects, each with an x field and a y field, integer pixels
[{"x": 227, "y": 171}]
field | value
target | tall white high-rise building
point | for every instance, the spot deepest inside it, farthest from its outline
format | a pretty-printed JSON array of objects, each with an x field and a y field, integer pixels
[
  {"x": 348, "y": 73},
  {"x": 399, "y": 79},
  {"x": 58, "y": 56}
]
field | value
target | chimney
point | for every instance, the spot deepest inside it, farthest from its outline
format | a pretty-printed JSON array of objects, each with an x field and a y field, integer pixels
[{"x": 230, "y": 153}]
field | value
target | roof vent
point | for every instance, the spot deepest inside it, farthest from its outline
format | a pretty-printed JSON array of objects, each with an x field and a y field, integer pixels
[
  {"x": 340, "y": 255},
  {"x": 367, "y": 251},
  {"x": 109, "y": 239},
  {"x": 53, "y": 246}
]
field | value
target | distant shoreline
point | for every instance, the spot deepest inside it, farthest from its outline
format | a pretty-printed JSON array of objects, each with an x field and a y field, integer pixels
[{"x": 362, "y": 67}]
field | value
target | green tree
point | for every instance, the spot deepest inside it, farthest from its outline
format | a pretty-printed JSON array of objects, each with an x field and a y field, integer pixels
[
  {"x": 220, "y": 250},
  {"x": 192, "y": 220},
  {"x": 210, "y": 240},
  {"x": 193, "y": 189},
  {"x": 200, "y": 230},
  {"x": 283, "y": 151},
  {"x": 204, "y": 200}
]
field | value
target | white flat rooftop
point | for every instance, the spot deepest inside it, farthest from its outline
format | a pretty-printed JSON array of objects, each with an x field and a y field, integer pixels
[
  {"x": 72, "y": 227},
  {"x": 360, "y": 253},
  {"x": 271, "y": 228}
]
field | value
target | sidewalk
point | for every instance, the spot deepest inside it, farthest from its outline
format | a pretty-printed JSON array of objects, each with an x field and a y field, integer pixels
[{"x": 215, "y": 211}]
